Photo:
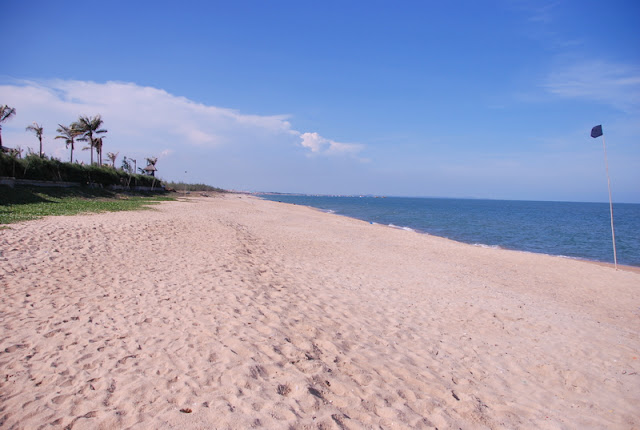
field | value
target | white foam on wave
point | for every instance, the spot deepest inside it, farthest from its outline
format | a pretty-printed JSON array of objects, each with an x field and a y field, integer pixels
[
  {"x": 484, "y": 245},
  {"x": 577, "y": 258},
  {"x": 401, "y": 228}
]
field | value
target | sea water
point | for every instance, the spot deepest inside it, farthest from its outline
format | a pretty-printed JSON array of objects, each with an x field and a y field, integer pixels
[{"x": 576, "y": 230}]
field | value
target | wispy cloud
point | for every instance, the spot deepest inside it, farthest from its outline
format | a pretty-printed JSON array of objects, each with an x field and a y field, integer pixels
[
  {"x": 546, "y": 22},
  {"x": 617, "y": 85},
  {"x": 541, "y": 12}
]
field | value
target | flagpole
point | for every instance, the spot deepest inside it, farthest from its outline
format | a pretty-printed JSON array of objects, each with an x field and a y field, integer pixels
[{"x": 613, "y": 234}]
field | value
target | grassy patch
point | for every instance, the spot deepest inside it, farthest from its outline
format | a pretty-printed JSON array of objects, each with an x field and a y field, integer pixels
[{"x": 28, "y": 203}]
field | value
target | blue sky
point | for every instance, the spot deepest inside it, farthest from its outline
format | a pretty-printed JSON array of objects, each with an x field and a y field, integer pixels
[{"x": 452, "y": 99}]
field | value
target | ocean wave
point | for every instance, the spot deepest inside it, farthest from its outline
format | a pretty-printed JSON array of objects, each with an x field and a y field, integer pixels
[
  {"x": 401, "y": 228},
  {"x": 484, "y": 245}
]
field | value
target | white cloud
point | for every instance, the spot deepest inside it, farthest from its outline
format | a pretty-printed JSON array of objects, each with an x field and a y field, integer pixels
[
  {"x": 320, "y": 145},
  {"x": 220, "y": 146},
  {"x": 144, "y": 117},
  {"x": 313, "y": 141},
  {"x": 146, "y": 120},
  {"x": 617, "y": 85}
]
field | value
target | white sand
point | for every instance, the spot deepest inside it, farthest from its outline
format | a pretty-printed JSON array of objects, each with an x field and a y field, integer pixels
[{"x": 251, "y": 313}]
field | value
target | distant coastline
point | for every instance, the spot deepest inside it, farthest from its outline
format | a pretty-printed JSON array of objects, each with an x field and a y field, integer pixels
[{"x": 276, "y": 193}]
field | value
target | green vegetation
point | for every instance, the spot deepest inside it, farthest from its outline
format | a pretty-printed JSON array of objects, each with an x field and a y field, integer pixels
[
  {"x": 85, "y": 129},
  {"x": 28, "y": 203},
  {"x": 181, "y": 186},
  {"x": 51, "y": 169}
]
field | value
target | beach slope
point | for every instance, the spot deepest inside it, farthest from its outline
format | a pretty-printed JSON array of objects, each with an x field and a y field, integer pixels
[{"x": 233, "y": 312}]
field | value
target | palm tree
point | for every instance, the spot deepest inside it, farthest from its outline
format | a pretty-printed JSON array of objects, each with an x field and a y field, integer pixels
[
  {"x": 37, "y": 129},
  {"x": 88, "y": 126},
  {"x": 112, "y": 157},
  {"x": 97, "y": 143},
  {"x": 68, "y": 134},
  {"x": 6, "y": 112}
]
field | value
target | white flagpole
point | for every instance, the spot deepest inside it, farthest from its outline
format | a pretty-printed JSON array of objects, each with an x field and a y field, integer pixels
[{"x": 613, "y": 234}]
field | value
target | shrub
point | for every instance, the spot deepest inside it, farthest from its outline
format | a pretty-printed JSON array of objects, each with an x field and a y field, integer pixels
[{"x": 50, "y": 169}]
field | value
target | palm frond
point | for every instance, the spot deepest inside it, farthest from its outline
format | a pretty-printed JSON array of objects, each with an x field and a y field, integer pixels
[
  {"x": 89, "y": 125},
  {"x": 6, "y": 112},
  {"x": 66, "y": 132},
  {"x": 36, "y": 128}
]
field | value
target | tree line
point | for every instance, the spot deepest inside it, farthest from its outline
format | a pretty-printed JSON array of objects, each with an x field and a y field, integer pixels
[{"x": 85, "y": 129}]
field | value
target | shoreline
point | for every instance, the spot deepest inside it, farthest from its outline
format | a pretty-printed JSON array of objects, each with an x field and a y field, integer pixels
[
  {"x": 625, "y": 267},
  {"x": 237, "y": 312}
]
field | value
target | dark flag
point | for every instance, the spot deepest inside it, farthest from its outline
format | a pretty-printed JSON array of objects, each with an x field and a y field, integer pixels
[{"x": 596, "y": 131}]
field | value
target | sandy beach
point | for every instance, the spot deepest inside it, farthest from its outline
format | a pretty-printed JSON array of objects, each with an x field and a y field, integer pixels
[{"x": 230, "y": 312}]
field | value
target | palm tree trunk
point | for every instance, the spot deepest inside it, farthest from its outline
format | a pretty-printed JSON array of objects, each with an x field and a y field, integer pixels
[{"x": 41, "y": 154}]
